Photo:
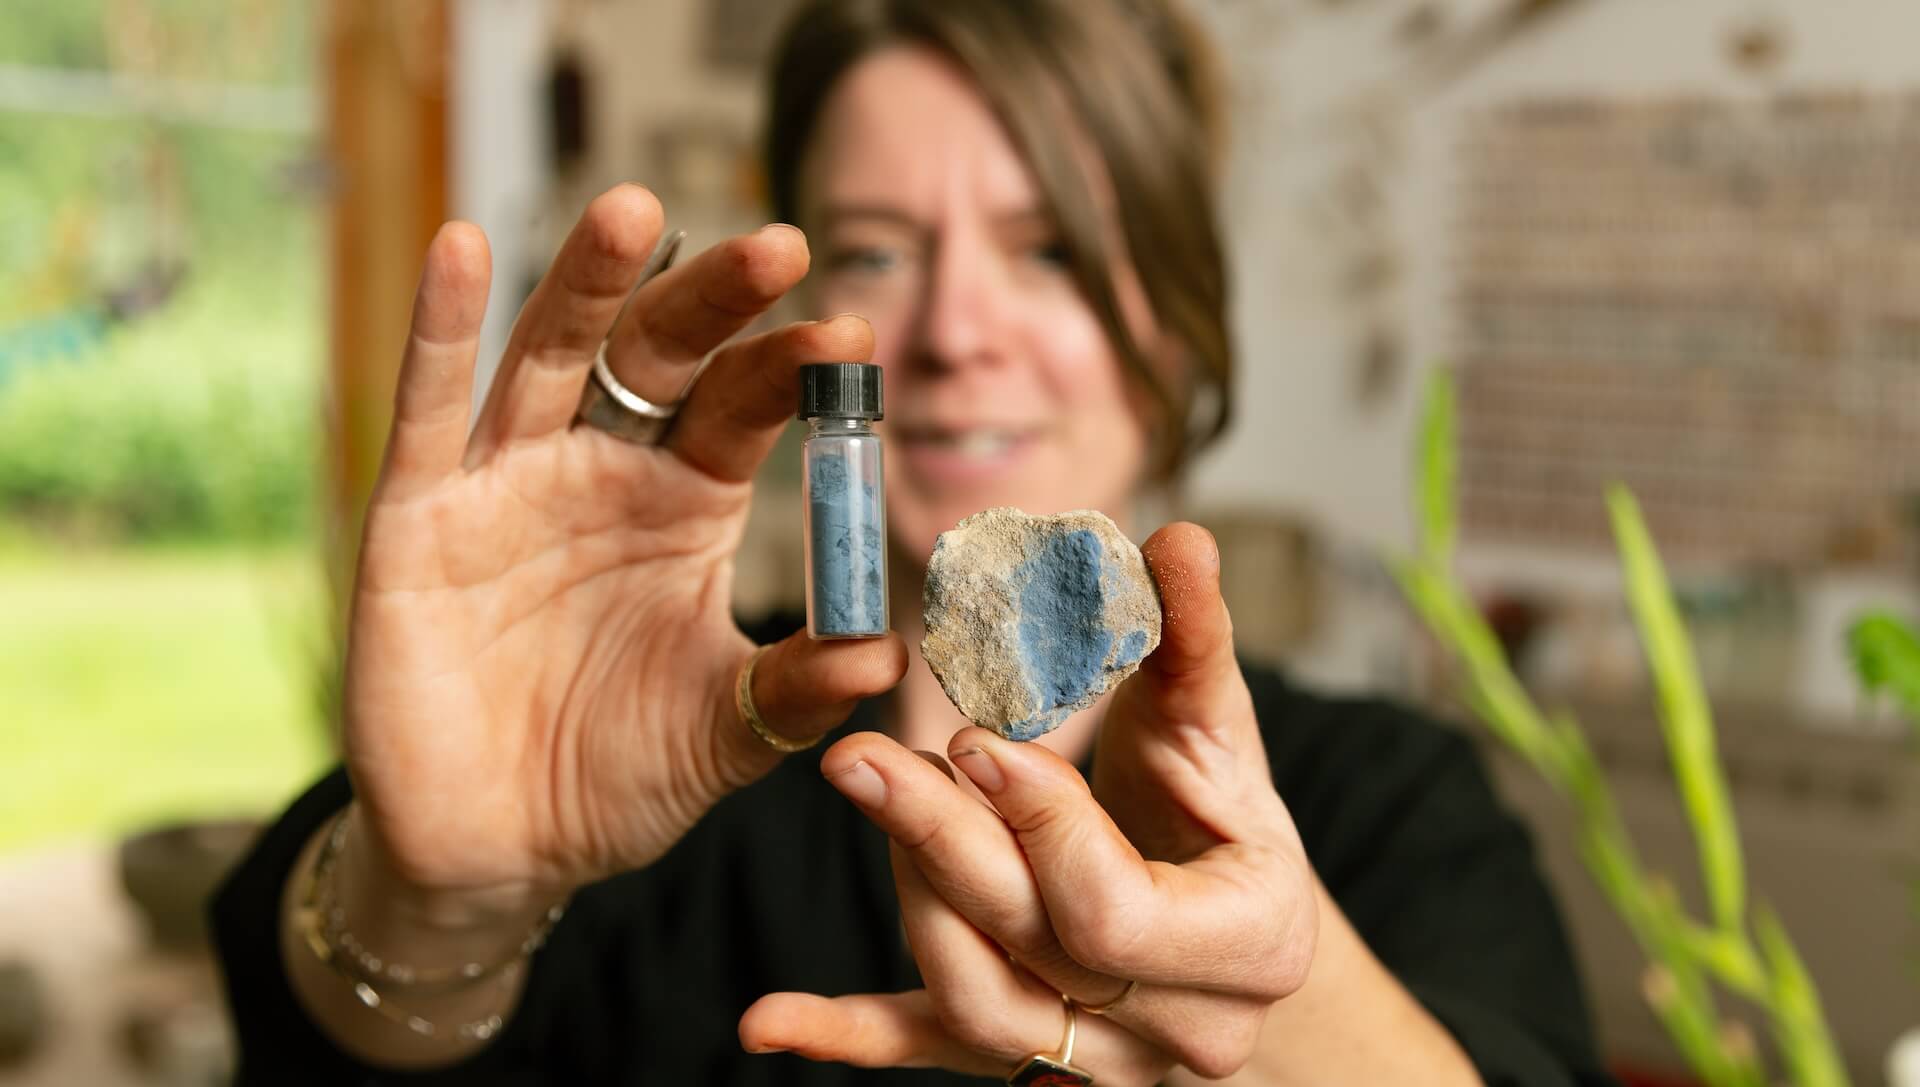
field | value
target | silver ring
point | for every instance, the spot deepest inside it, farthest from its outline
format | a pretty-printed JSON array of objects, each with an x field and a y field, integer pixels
[{"x": 606, "y": 404}]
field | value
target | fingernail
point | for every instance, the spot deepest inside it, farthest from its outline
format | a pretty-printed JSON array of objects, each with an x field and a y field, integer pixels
[
  {"x": 981, "y": 768},
  {"x": 861, "y": 784},
  {"x": 783, "y": 226}
]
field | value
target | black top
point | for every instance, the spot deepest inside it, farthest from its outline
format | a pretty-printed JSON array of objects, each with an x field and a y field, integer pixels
[
  {"x": 841, "y": 390},
  {"x": 785, "y": 886}
]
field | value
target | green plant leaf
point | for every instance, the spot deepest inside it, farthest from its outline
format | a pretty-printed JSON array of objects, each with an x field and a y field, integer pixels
[
  {"x": 1729, "y": 957},
  {"x": 1496, "y": 694},
  {"x": 1685, "y": 719},
  {"x": 1692, "y": 1025},
  {"x": 1805, "y": 1043},
  {"x": 1886, "y": 655},
  {"x": 1438, "y": 526}
]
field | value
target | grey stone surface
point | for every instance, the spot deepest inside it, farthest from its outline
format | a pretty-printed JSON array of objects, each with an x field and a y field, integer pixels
[{"x": 1030, "y": 619}]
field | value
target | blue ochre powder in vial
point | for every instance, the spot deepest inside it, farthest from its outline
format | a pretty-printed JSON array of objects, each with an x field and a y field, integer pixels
[{"x": 844, "y": 501}]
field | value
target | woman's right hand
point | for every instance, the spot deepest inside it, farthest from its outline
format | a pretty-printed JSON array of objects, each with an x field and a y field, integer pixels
[{"x": 541, "y": 658}]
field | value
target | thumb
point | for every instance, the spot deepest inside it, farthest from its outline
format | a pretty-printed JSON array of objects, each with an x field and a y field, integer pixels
[
  {"x": 1193, "y": 675},
  {"x": 1182, "y": 729},
  {"x": 802, "y": 689}
]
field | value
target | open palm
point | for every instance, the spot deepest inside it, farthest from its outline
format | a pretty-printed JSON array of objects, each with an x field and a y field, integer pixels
[{"x": 542, "y": 652}]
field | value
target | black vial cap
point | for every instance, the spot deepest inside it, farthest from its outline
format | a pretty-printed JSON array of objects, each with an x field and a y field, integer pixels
[{"x": 840, "y": 390}]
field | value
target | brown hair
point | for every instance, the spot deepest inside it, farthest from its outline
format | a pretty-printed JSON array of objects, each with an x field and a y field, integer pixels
[{"x": 1132, "y": 78}]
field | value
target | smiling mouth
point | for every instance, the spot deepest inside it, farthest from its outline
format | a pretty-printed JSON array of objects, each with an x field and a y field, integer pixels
[
  {"x": 982, "y": 443},
  {"x": 959, "y": 454}
]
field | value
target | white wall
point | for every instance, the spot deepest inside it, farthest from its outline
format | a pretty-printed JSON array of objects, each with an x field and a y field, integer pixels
[
  {"x": 1304, "y": 444},
  {"x": 648, "y": 54},
  {"x": 498, "y": 135},
  {"x": 1307, "y": 446}
]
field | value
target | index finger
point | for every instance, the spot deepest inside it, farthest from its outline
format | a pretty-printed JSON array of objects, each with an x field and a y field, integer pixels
[
  {"x": 973, "y": 862},
  {"x": 961, "y": 847},
  {"x": 1242, "y": 912}
]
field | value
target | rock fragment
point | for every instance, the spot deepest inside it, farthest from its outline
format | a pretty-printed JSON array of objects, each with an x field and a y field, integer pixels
[{"x": 1030, "y": 619}]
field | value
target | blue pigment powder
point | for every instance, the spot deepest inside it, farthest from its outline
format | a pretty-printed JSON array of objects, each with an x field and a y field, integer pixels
[{"x": 848, "y": 549}]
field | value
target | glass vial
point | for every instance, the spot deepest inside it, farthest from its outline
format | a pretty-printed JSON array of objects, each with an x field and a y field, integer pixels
[{"x": 844, "y": 500}]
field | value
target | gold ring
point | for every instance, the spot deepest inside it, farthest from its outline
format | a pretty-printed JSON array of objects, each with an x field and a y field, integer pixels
[
  {"x": 743, "y": 700},
  {"x": 1102, "y": 1009},
  {"x": 1053, "y": 1069}
]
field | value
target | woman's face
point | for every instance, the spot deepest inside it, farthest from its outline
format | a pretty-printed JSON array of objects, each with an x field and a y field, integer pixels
[{"x": 1002, "y": 388}]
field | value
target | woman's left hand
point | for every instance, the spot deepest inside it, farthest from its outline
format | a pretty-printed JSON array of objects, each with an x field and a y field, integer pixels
[{"x": 1196, "y": 886}]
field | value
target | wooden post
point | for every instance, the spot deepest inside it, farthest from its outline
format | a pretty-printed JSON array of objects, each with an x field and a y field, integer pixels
[
  {"x": 385, "y": 64},
  {"x": 387, "y": 78}
]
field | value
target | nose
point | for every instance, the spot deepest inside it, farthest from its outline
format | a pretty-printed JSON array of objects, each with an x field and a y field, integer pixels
[{"x": 964, "y": 305}]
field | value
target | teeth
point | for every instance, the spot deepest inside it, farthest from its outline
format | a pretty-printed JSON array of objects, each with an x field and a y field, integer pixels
[
  {"x": 983, "y": 443},
  {"x": 972, "y": 443}
]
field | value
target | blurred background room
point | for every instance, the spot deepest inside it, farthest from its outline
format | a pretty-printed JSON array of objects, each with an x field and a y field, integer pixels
[{"x": 1672, "y": 245}]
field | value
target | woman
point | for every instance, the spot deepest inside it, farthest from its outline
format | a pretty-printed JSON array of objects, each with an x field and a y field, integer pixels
[{"x": 541, "y": 681}]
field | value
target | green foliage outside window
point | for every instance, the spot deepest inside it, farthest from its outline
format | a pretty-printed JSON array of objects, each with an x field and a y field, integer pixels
[
  {"x": 162, "y": 306},
  {"x": 160, "y": 330}
]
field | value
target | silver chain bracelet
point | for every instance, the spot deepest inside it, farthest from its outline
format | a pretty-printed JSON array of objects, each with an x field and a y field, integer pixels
[{"x": 323, "y": 923}]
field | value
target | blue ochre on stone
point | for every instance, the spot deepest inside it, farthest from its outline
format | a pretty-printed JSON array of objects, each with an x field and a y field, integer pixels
[
  {"x": 1030, "y": 619},
  {"x": 1063, "y": 641},
  {"x": 848, "y": 548}
]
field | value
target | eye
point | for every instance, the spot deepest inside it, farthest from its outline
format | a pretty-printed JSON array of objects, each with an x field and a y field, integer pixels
[
  {"x": 1052, "y": 253},
  {"x": 863, "y": 260}
]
